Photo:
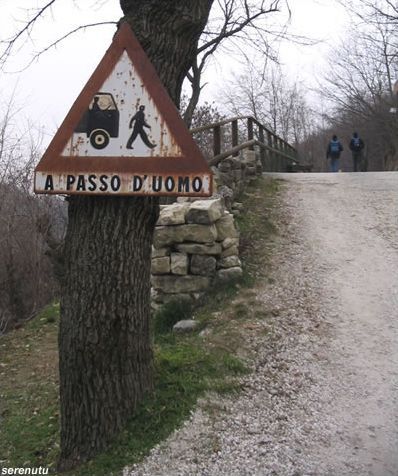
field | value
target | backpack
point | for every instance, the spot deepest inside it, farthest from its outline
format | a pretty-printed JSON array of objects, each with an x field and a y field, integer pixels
[
  {"x": 356, "y": 143},
  {"x": 334, "y": 147}
]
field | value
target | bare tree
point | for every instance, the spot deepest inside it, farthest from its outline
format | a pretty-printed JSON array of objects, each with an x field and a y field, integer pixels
[
  {"x": 26, "y": 276},
  {"x": 204, "y": 115},
  {"x": 235, "y": 26},
  {"x": 266, "y": 94},
  {"x": 232, "y": 27},
  {"x": 11, "y": 45},
  {"x": 358, "y": 85},
  {"x": 367, "y": 10}
]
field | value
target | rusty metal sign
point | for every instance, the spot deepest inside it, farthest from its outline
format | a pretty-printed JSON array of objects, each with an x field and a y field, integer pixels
[{"x": 123, "y": 135}]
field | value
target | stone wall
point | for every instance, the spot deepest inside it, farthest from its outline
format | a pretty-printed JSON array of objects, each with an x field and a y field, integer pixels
[
  {"x": 195, "y": 245},
  {"x": 232, "y": 175},
  {"x": 196, "y": 242}
]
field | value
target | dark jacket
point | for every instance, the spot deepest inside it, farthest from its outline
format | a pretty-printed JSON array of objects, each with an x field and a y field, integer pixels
[
  {"x": 356, "y": 144},
  {"x": 334, "y": 149}
]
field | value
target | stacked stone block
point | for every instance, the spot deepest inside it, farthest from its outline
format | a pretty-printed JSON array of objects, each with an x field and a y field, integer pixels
[
  {"x": 233, "y": 173},
  {"x": 195, "y": 245}
]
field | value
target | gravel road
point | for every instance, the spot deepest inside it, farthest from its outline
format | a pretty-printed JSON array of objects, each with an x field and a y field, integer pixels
[{"x": 323, "y": 399}]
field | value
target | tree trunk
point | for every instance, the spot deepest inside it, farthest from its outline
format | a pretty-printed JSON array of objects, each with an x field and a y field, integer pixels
[
  {"x": 169, "y": 32},
  {"x": 104, "y": 341}
]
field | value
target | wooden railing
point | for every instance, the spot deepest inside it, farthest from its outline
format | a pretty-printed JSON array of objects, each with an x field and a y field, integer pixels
[{"x": 276, "y": 154}]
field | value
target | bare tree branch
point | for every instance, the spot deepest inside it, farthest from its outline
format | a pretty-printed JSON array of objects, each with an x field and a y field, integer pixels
[
  {"x": 11, "y": 42},
  {"x": 240, "y": 21},
  {"x": 10, "y": 45},
  {"x": 55, "y": 43},
  {"x": 237, "y": 26}
]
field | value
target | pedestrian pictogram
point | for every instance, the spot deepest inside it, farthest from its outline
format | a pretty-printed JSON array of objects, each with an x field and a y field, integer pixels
[
  {"x": 123, "y": 135},
  {"x": 139, "y": 124}
]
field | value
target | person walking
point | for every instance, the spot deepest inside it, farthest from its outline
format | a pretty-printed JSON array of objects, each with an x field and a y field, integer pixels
[
  {"x": 356, "y": 146},
  {"x": 333, "y": 153},
  {"x": 139, "y": 123}
]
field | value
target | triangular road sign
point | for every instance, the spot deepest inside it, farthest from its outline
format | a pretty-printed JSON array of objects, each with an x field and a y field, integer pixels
[{"x": 123, "y": 135}]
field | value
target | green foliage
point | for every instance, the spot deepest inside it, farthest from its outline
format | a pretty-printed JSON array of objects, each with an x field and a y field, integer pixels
[
  {"x": 29, "y": 434},
  {"x": 257, "y": 228},
  {"x": 183, "y": 371},
  {"x": 29, "y": 430}
]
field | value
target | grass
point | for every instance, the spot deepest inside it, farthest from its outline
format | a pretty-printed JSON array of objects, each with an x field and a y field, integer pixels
[
  {"x": 29, "y": 393},
  {"x": 184, "y": 370},
  {"x": 186, "y": 366},
  {"x": 29, "y": 434},
  {"x": 257, "y": 228}
]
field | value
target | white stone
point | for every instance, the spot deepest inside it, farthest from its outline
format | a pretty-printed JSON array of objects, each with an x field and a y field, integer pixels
[
  {"x": 179, "y": 263},
  {"x": 231, "y": 251},
  {"x": 168, "y": 235},
  {"x": 203, "y": 265},
  {"x": 200, "y": 249},
  {"x": 164, "y": 236},
  {"x": 249, "y": 157},
  {"x": 158, "y": 253},
  {"x": 187, "y": 325},
  {"x": 226, "y": 228},
  {"x": 229, "y": 274},
  {"x": 173, "y": 214},
  {"x": 226, "y": 195},
  {"x": 205, "y": 212},
  {"x": 199, "y": 233},
  {"x": 160, "y": 265},
  {"x": 229, "y": 262}
]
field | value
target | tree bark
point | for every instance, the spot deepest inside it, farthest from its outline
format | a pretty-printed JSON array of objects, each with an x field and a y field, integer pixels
[
  {"x": 104, "y": 339},
  {"x": 169, "y": 32}
]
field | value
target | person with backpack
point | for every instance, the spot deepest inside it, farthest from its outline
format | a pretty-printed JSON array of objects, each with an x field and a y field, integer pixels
[
  {"x": 333, "y": 153},
  {"x": 356, "y": 147}
]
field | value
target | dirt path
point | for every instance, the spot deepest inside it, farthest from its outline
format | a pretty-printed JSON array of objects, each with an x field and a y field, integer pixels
[
  {"x": 324, "y": 397},
  {"x": 351, "y": 222}
]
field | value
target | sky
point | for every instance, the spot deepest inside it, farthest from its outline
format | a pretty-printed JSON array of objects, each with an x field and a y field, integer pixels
[
  {"x": 324, "y": 21},
  {"x": 46, "y": 90}
]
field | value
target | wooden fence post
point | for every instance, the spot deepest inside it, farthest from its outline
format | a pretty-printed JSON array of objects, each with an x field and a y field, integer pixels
[
  {"x": 235, "y": 136},
  {"x": 262, "y": 150},
  {"x": 216, "y": 140},
  {"x": 250, "y": 131}
]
